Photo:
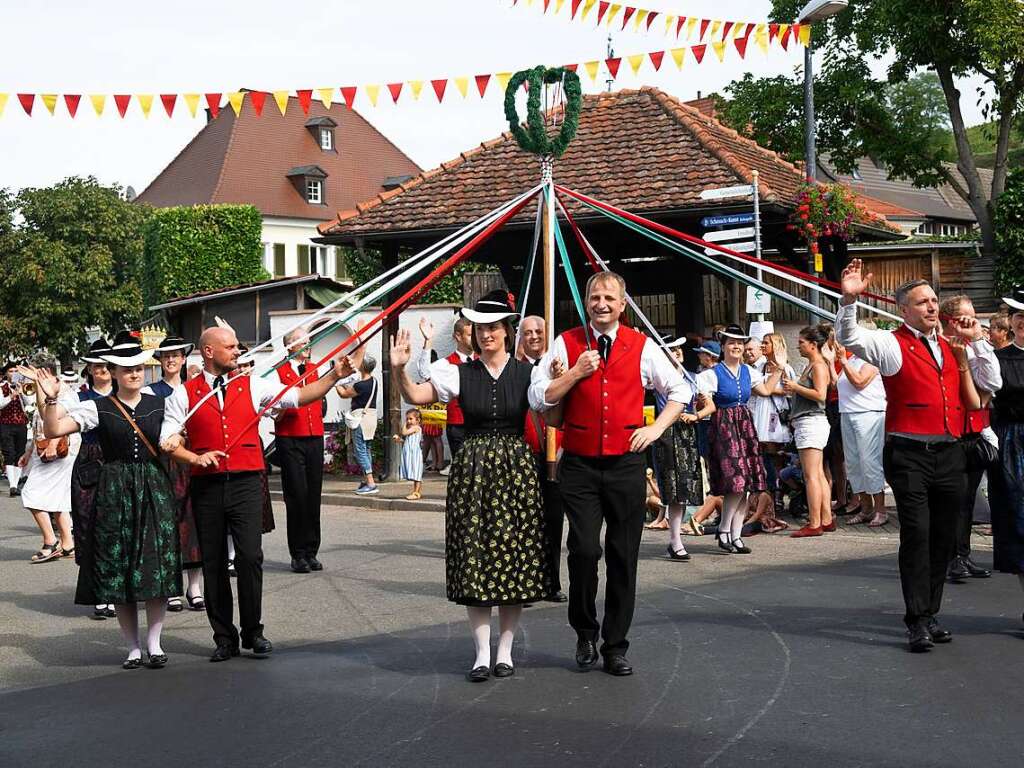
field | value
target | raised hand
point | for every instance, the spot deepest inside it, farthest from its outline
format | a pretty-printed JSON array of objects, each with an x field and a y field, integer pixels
[
  {"x": 587, "y": 363},
  {"x": 854, "y": 281},
  {"x": 426, "y": 329},
  {"x": 959, "y": 346},
  {"x": 48, "y": 384},
  {"x": 401, "y": 349},
  {"x": 967, "y": 328},
  {"x": 343, "y": 367}
]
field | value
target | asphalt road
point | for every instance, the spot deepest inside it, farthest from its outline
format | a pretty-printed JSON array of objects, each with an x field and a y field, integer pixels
[{"x": 793, "y": 656}]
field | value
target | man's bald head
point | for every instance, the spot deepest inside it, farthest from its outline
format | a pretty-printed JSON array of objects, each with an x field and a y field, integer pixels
[
  {"x": 219, "y": 349},
  {"x": 533, "y": 336}
]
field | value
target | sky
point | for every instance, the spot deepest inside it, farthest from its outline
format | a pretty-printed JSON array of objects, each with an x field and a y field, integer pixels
[{"x": 110, "y": 46}]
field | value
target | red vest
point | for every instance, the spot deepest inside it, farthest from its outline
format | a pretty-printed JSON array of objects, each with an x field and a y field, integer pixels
[
  {"x": 603, "y": 410},
  {"x": 306, "y": 421},
  {"x": 211, "y": 429},
  {"x": 12, "y": 413},
  {"x": 455, "y": 417},
  {"x": 533, "y": 439},
  {"x": 977, "y": 420},
  {"x": 921, "y": 399}
]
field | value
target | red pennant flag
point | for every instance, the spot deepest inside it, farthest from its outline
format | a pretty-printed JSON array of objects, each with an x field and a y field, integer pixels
[
  {"x": 679, "y": 25},
  {"x": 305, "y": 99},
  {"x": 71, "y": 102},
  {"x": 794, "y": 30},
  {"x": 773, "y": 32},
  {"x": 481, "y": 83},
  {"x": 698, "y": 52},
  {"x": 656, "y": 57},
  {"x": 726, "y": 26},
  {"x": 348, "y": 92},
  {"x": 785, "y": 38},
  {"x": 213, "y": 102},
  {"x": 650, "y": 18},
  {"x": 575, "y": 7},
  {"x": 27, "y": 100},
  {"x": 602, "y": 9},
  {"x": 613, "y": 66},
  {"x": 703, "y": 28},
  {"x": 741, "y": 44},
  {"x": 169, "y": 100},
  {"x": 439, "y": 86},
  {"x": 258, "y": 98},
  {"x": 122, "y": 101},
  {"x": 546, "y": 4},
  {"x": 396, "y": 91},
  {"x": 571, "y": 67},
  {"x": 627, "y": 15}
]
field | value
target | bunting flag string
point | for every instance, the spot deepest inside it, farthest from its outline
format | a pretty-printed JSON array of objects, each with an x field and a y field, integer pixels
[{"x": 731, "y": 40}]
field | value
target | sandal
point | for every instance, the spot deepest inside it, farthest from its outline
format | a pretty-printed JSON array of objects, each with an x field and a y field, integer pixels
[
  {"x": 196, "y": 603},
  {"x": 414, "y": 496},
  {"x": 47, "y": 552},
  {"x": 68, "y": 553},
  {"x": 697, "y": 528}
]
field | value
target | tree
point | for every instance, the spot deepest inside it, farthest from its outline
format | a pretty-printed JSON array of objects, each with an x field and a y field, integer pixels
[
  {"x": 69, "y": 264},
  {"x": 950, "y": 39},
  {"x": 1010, "y": 233}
]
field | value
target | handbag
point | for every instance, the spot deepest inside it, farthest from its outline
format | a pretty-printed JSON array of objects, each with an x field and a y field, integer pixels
[
  {"x": 365, "y": 418},
  {"x": 62, "y": 448},
  {"x": 981, "y": 454}
]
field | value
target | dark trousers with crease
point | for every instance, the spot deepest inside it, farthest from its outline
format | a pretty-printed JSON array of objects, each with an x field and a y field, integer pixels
[
  {"x": 966, "y": 518},
  {"x": 554, "y": 520},
  {"x": 928, "y": 483},
  {"x": 302, "y": 479},
  {"x": 231, "y": 503},
  {"x": 608, "y": 490}
]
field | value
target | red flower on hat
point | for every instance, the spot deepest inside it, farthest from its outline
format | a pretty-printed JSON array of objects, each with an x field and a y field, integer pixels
[{"x": 511, "y": 299}]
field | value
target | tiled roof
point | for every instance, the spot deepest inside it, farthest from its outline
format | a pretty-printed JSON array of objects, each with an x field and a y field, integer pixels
[
  {"x": 245, "y": 159},
  {"x": 641, "y": 150},
  {"x": 887, "y": 209}
]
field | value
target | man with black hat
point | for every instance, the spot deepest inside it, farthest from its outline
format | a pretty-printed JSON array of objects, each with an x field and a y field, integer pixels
[{"x": 13, "y": 427}]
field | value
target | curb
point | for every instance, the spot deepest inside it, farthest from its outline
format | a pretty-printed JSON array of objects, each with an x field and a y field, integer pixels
[{"x": 377, "y": 502}]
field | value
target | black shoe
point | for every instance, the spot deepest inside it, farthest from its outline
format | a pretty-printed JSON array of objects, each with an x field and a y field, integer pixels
[
  {"x": 939, "y": 634},
  {"x": 556, "y": 597},
  {"x": 259, "y": 645},
  {"x": 673, "y": 555},
  {"x": 504, "y": 670},
  {"x": 132, "y": 663},
  {"x": 976, "y": 571},
  {"x": 300, "y": 565},
  {"x": 958, "y": 572},
  {"x": 740, "y": 548},
  {"x": 99, "y": 613},
  {"x": 586, "y": 654},
  {"x": 314, "y": 564},
  {"x": 224, "y": 652},
  {"x": 17, "y": 492},
  {"x": 478, "y": 674},
  {"x": 157, "y": 660},
  {"x": 618, "y": 666},
  {"x": 726, "y": 546},
  {"x": 919, "y": 639}
]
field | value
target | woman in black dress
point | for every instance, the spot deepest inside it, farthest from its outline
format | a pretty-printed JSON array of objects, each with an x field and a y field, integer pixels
[
  {"x": 135, "y": 546},
  {"x": 494, "y": 532}
]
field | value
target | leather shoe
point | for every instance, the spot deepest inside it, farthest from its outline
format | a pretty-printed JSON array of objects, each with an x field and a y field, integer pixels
[
  {"x": 586, "y": 653},
  {"x": 557, "y": 597},
  {"x": 300, "y": 565},
  {"x": 919, "y": 639},
  {"x": 976, "y": 571},
  {"x": 259, "y": 645},
  {"x": 939, "y": 633},
  {"x": 618, "y": 666},
  {"x": 478, "y": 674},
  {"x": 224, "y": 652},
  {"x": 957, "y": 572},
  {"x": 314, "y": 564},
  {"x": 504, "y": 670}
]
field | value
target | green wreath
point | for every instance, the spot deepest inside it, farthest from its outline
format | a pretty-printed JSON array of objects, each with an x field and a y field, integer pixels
[{"x": 534, "y": 138}]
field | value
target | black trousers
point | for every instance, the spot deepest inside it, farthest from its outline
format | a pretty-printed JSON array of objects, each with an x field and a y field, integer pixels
[
  {"x": 554, "y": 520},
  {"x": 928, "y": 483},
  {"x": 966, "y": 517},
  {"x": 608, "y": 490},
  {"x": 456, "y": 434},
  {"x": 231, "y": 503},
  {"x": 302, "y": 479},
  {"x": 13, "y": 438}
]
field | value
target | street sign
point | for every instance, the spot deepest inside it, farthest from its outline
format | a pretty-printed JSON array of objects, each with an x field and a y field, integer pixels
[
  {"x": 722, "y": 192},
  {"x": 729, "y": 220},
  {"x": 745, "y": 247},
  {"x": 729, "y": 234},
  {"x": 759, "y": 301}
]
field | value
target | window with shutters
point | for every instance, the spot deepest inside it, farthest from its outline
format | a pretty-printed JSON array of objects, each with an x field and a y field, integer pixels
[
  {"x": 279, "y": 265},
  {"x": 304, "y": 260}
]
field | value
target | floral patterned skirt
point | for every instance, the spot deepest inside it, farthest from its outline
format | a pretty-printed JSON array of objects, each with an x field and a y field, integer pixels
[
  {"x": 494, "y": 525},
  {"x": 135, "y": 544},
  {"x": 734, "y": 454},
  {"x": 679, "y": 475}
]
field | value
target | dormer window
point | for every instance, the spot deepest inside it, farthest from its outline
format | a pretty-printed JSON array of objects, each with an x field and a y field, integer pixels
[
  {"x": 308, "y": 181},
  {"x": 314, "y": 191},
  {"x": 322, "y": 131},
  {"x": 326, "y": 138}
]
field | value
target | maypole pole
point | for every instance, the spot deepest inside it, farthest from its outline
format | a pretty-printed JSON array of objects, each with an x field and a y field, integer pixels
[{"x": 547, "y": 168}]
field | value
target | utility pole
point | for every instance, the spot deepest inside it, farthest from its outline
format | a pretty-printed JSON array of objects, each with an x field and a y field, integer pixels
[{"x": 610, "y": 54}]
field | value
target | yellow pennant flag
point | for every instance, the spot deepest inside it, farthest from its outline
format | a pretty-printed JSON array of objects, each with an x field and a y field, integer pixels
[
  {"x": 192, "y": 102},
  {"x": 614, "y": 9},
  {"x": 99, "y": 101},
  {"x": 235, "y": 99},
  {"x": 691, "y": 24},
  {"x": 416, "y": 86},
  {"x": 503, "y": 78},
  {"x": 49, "y": 101},
  {"x": 325, "y": 94},
  {"x": 372, "y": 92},
  {"x": 761, "y": 37},
  {"x": 715, "y": 26},
  {"x": 719, "y": 46},
  {"x": 462, "y": 83},
  {"x": 586, "y": 8},
  {"x": 668, "y": 23},
  {"x": 281, "y": 97},
  {"x": 592, "y": 67},
  {"x": 3, "y": 102},
  {"x": 641, "y": 14},
  {"x": 145, "y": 103},
  {"x": 805, "y": 34},
  {"x": 558, "y": 5},
  {"x": 636, "y": 61},
  {"x": 782, "y": 31},
  {"x": 738, "y": 27},
  {"x": 678, "y": 55}
]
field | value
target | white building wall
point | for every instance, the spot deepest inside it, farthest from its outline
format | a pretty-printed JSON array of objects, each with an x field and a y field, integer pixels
[{"x": 292, "y": 233}]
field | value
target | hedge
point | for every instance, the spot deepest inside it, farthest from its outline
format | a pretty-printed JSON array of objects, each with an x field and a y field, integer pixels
[
  {"x": 201, "y": 248},
  {"x": 1009, "y": 226}
]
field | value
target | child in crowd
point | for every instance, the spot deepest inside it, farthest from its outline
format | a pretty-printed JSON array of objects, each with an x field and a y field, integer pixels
[{"x": 412, "y": 452}]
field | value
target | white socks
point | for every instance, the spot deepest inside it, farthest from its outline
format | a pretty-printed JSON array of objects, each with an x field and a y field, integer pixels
[
  {"x": 13, "y": 475},
  {"x": 480, "y": 625},
  {"x": 675, "y": 523},
  {"x": 156, "y": 610},
  {"x": 128, "y": 620},
  {"x": 508, "y": 619}
]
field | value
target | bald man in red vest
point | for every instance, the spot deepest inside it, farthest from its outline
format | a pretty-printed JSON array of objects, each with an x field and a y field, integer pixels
[
  {"x": 929, "y": 385},
  {"x": 602, "y": 475}
]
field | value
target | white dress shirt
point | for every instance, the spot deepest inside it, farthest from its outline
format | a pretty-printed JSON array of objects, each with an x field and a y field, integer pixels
[
  {"x": 262, "y": 391},
  {"x": 424, "y": 366},
  {"x": 656, "y": 372}
]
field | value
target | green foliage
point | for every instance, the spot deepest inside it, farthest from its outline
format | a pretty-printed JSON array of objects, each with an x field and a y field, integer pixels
[
  {"x": 448, "y": 290},
  {"x": 535, "y": 137},
  {"x": 1009, "y": 222},
  {"x": 201, "y": 248},
  {"x": 71, "y": 262},
  {"x": 769, "y": 110}
]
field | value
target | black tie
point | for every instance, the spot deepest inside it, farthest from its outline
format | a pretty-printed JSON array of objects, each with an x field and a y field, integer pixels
[
  {"x": 302, "y": 369},
  {"x": 217, "y": 384},
  {"x": 604, "y": 346},
  {"x": 536, "y": 362}
]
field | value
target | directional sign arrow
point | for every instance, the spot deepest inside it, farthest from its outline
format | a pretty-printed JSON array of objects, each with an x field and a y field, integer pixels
[
  {"x": 729, "y": 234},
  {"x": 722, "y": 192},
  {"x": 745, "y": 247}
]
